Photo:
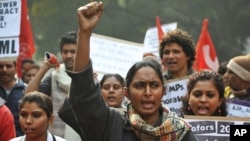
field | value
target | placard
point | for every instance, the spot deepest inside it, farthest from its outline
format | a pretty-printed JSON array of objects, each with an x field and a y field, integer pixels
[
  {"x": 238, "y": 108},
  {"x": 175, "y": 90},
  {"x": 112, "y": 55},
  {"x": 213, "y": 128},
  {"x": 10, "y": 18},
  {"x": 9, "y": 48}
]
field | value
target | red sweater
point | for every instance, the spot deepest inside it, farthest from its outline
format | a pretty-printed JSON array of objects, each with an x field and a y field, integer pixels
[{"x": 7, "y": 128}]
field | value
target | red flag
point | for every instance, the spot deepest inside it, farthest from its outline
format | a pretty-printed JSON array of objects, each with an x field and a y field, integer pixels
[
  {"x": 26, "y": 41},
  {"x": 206, "y": 57},
  {"x": 160, "y": 34},
  {"x": 159, "y": 28}
]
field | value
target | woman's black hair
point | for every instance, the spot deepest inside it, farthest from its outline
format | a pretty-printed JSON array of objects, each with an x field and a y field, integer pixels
[
  {"x": 41, "y": 99},
  {"x": 204, "y": 75},
  {"x": 116, "y": 75},
  {"x": 138, "y": 65}
]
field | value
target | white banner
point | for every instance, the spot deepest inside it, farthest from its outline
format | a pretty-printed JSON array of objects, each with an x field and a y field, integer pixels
[
  {"x": 112, "y": 55},
  {"x": 10, "y": 18}
]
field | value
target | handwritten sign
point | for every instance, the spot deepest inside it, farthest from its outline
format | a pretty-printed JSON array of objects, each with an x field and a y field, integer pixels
[
  {"x": 9, "y": 48},
  {"x": 112, "y": 55},
  {"x": 175, "y": 90},
  {"x": 212, "y": 128},
  {"x": 10, "y": 17},
  {"x": 151, "y": 41},
  {"x": 238, "y": 108}
]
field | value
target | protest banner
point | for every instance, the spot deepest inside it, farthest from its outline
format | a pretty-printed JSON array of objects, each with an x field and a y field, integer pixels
[
  {"x": 238, "y": 108},
  {"x": 10, "y": 17},
  {"x": 213, "y": 128},
  {"x": 112, "y": 55},
  {"x": 175, "y": 90}
]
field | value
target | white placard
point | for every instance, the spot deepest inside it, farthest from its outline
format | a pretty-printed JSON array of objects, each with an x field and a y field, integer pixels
[
  {"x": 151, "y": 41},
  {"x": 10, "y": 18},
  {"x": 9, "y": 48},
  {"x": 238, "y": 108},
  {"x": 175, "y": 90},
  {"x": 112, "y": 55}
]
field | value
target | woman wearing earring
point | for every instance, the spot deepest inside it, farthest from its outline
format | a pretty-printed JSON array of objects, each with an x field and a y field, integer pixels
[{"x": 205, "y": 96}]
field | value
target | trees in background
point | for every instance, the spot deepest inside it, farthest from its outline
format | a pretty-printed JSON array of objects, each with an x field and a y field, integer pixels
[{"x": 129, "y": 19}]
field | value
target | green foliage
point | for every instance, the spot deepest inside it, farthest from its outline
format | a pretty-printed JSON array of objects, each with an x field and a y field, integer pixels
[{"x": 129, "y": 19}]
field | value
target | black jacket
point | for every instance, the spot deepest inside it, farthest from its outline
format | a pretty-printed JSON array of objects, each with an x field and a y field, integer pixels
[{"x": 86, "y": 112}]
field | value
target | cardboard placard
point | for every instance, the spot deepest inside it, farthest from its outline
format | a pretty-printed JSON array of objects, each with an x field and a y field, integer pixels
[
  {"x": 213, "y": 128},
  {"x": 175, "y": 90},
  {"x": 10, "y": 18},
  {"x": 238, "y": 108},
  {"x": 9, "y": 48}
]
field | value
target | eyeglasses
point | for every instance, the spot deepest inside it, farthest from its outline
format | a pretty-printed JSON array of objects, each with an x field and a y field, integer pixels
[{"x": 8, "y": 66}]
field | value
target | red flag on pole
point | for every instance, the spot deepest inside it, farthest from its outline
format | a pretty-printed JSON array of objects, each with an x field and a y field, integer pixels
[
  {"x": 160, "y": 35},
  {"x": 26, "y": 41},
  {"x": 159, "y": 28},
  {"x": 206, "y": 57}
]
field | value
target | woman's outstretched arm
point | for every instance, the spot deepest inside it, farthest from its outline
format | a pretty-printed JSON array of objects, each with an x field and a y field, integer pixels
[{"x": 88, "y": 17}]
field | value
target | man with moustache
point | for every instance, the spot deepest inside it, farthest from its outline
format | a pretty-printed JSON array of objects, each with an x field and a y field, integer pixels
[{"x": 11, "y": 90}]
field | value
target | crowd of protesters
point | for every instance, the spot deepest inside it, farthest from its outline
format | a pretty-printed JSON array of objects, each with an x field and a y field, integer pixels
[{"x": 66, "y": 101}]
